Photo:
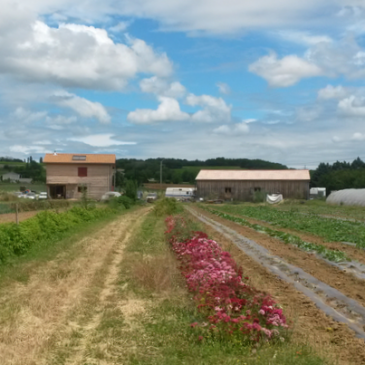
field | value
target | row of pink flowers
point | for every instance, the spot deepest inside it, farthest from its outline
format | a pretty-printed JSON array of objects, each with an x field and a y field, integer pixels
[{"x": 226, "y": 299}]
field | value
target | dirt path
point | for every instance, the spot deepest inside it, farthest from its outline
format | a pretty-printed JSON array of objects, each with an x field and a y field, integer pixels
[
  {"x": 11, "y": 218},
  {"x": 47, "y": 321},
  {"x": 323, "y": 333}
]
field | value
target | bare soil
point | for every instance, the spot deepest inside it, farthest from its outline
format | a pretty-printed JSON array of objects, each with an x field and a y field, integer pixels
[
  {"x": 351, "y": 251},
  {"x": 11, "y": 217},
  {"x": 64, "y": 299},
  {"x": 325, "y": 335}
]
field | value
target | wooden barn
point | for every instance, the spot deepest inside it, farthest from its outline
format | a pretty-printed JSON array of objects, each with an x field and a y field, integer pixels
[
  {"x": 69, "y": 175},
  {"x": 242, "y": 184}
]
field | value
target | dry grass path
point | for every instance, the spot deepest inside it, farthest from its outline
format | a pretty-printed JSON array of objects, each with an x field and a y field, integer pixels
[{"x": 50, "y": 319}]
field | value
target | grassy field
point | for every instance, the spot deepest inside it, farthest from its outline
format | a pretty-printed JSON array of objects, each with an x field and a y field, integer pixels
[{"x": 13, "y": 187}]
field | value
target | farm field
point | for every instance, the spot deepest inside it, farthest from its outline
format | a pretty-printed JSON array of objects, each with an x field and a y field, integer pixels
[
  {"x": 13, "y": 187},
  {"x": 319, "y": 207},
  {"x": 113, "y": 294}
]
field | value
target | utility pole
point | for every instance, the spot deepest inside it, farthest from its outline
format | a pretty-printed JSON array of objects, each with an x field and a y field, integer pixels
[{"x": 161, "y": 172}]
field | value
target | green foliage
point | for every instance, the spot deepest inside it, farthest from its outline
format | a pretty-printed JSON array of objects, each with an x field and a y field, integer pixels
[
  {"x": 178, "y": 171},
  {"x": 124, "y": 200},
  {"x": 131, "y": 189},
  {"x": 331, "y": 255},
  {"x": 17, "y": 239},
  {"x": 328, "y": 228},
  {"x": 340, "y": 175},
  {"x": 166, "y": 206},
  {"x": 259, "y": 196}
]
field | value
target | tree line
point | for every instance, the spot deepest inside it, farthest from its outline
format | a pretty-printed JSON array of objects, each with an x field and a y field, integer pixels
[
  {"x": 339, "y": 175},
  {"x": 179, "y": 171}
]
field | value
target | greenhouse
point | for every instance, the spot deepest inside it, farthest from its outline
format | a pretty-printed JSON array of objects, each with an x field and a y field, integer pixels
[{"x": 347, "y": 197}]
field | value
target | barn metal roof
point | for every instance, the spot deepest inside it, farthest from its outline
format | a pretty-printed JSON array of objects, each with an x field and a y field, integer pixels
[
  {"x": 79, "y": 158},
  {"x": 253, "y": 175}
]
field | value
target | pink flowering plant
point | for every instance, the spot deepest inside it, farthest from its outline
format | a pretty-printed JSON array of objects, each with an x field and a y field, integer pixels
[{"x": 230, "y": 305}]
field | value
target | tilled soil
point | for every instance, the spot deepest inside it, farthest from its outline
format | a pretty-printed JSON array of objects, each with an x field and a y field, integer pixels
[
  {"x": 11, "y": 217},
  {"x": 351, "y": 251},
  {"x": 324, "y": 334},
  {"x": 347, "y": 283}
]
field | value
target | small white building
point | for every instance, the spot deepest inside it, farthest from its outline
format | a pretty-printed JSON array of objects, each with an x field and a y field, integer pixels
[
  {"x": 317, "y": 193},
  {"x": 180, "y": 193},
  {"x": 12, "y": 176}
]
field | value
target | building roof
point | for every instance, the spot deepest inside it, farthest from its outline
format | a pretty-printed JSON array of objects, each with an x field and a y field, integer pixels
[
  {"x": 253, "y": 175},
  {"x": 79, "y": 158}
]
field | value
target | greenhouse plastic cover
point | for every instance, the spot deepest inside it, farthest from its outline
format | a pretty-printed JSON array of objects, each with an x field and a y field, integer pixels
[{"x": 347, "y": 197}]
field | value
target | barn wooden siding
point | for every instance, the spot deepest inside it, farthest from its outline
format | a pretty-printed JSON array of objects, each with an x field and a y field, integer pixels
[
  {"x": 98, "y": 181},
  {"x": 243, "y": 190}
]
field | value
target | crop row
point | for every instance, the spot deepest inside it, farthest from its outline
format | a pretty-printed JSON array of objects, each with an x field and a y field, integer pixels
[
  {"x": 15, "y": 240},
  {"x": 331, "y": 255},
  {"x": 229, "y": 305},
  {"x": 330, "y": 229}
]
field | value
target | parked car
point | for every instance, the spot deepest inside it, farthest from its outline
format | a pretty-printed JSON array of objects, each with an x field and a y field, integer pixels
[
  {"x": 30, "y": 196},
  {"x": 18, "y": 194},
  {"x": 110, "y": 194},
  {"x": 151, "y": 197},
  {"x": 43, "y": 195}
]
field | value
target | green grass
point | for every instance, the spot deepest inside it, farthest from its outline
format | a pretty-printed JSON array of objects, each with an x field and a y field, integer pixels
[
  {"x": 5, "y": 208},
  {"x": 19, "y": 268},
  {"x": 327, "y": 228},
  {"x": 13, "y": 187},
  {"x": 162, "y": 333}
]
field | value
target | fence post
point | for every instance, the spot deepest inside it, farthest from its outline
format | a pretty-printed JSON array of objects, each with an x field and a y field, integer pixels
[{"x": 16, "y": 213}]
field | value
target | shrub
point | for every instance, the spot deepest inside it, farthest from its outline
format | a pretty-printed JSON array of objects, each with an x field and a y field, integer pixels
[
  {"x": 125, "y": 201},
  {"x": 18, "y": 239},
  {"x": 166, "y": 206}
]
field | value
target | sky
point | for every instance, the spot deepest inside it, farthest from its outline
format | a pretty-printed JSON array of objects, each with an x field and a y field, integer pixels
[{"x": 281, "y": 81}]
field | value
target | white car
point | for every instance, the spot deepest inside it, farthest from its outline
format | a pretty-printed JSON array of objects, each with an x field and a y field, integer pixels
[
  {"x": 110, "y": 194},
  {"x": 42, "y": 196},
  {"x": 30, "y": 196}
]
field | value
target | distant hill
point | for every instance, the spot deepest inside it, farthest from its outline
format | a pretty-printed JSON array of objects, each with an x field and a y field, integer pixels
[{"x": 185, "y": 171}]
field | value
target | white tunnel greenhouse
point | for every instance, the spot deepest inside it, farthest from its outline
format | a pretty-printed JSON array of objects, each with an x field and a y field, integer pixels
[{"x": 347, "y": 197}]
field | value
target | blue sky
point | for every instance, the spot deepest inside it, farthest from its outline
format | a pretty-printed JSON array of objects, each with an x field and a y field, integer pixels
[{"x": 279, "y": 81}]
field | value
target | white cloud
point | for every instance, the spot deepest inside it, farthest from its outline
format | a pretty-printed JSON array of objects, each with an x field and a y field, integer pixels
[
  {"x": 100, "y": 140},
  {"x": 284, "y": 72},
  {"x": 233, "y": 130},
  {"x": 26, "y": 116},
  {"x": 60, "y": 120},
  {"x": 27, "y": 149},
  {"x": 304, "y": 38},
  {"x": 214, "y": 109},
  {"x": 332, "y": 92},
  {"x": 168, "y": 111},
  {"x": 223, "y": 88},
  {"x": 358, "y": 136},
  {"x": 352, "y": 106},
  {"x": 75, "y": 55},
  {"x": 83, "y": 107},
  {"x": 161, "y": 87},
  {"x": 120, "y": 27}
]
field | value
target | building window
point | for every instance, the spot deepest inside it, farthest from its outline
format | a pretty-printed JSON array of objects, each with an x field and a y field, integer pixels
[
  {"x": 82, "y": 189},
  {"x": 228, "y": 190},
  {"x": 82, "y": 171},
  {"x": 257, "y": 189}
]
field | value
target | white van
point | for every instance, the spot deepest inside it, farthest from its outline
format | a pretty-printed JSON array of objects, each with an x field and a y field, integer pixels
[{"x": 180, "y": 193}]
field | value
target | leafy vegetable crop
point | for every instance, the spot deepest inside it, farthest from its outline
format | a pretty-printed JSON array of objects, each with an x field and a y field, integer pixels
[
  {"x": 331, "y": 255},
  {"x": 330, "y": 229}
]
